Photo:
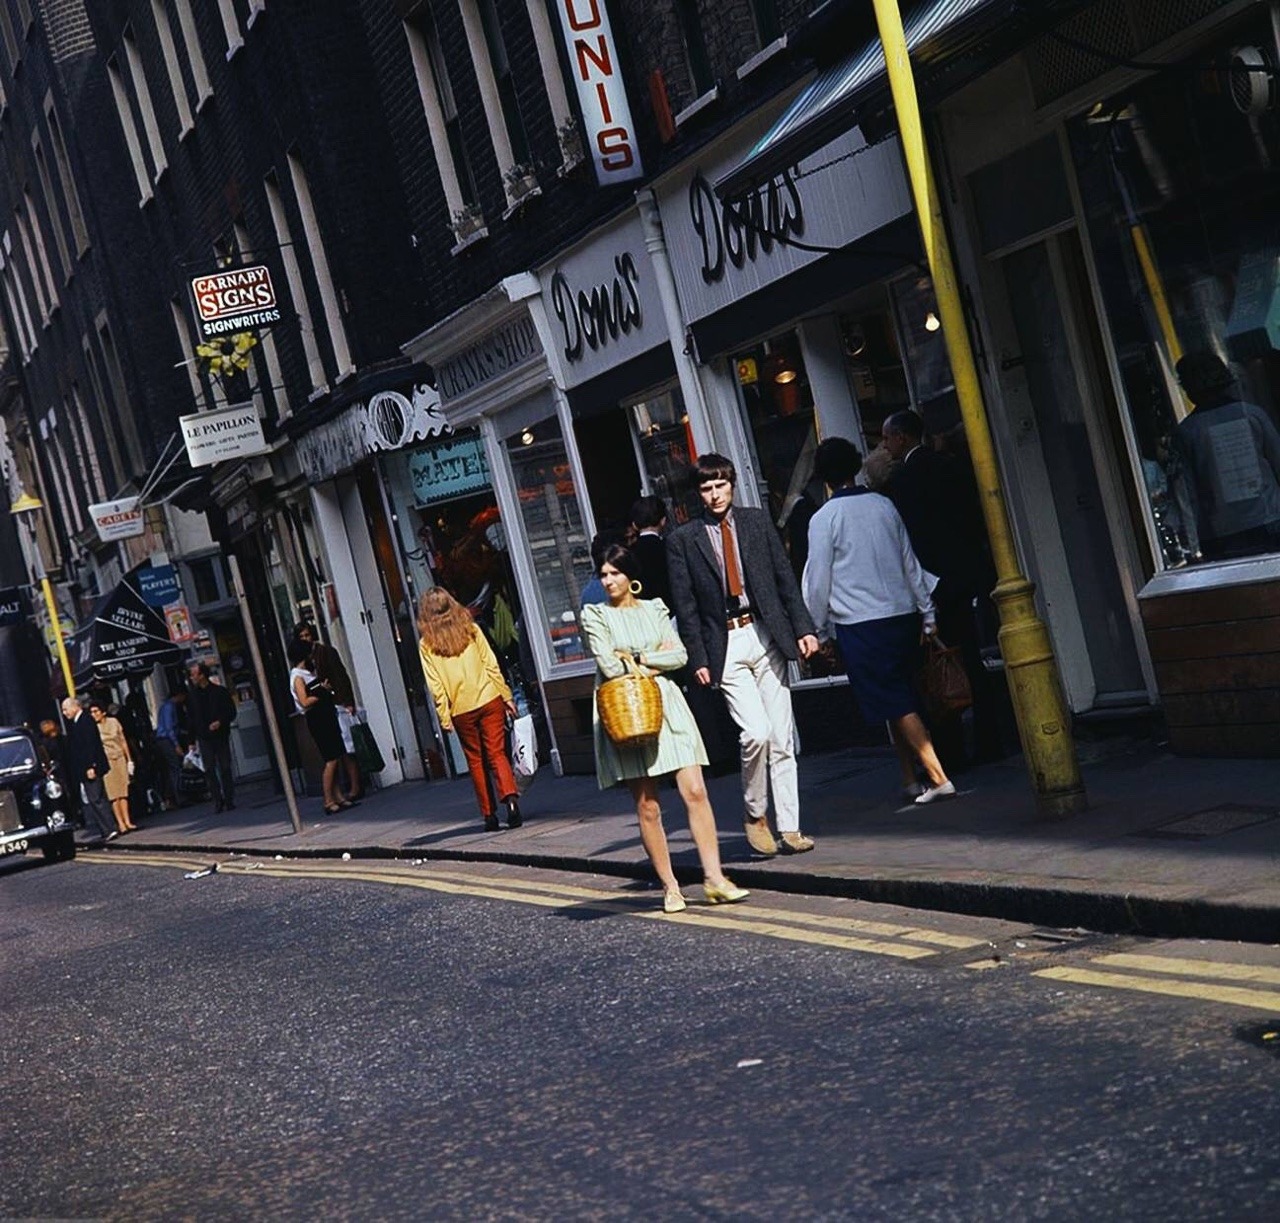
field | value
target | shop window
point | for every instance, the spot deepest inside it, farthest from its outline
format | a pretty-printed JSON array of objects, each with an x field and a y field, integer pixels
[
  {"x": 553, "y": 527},
  {"x": 775, "y": 391},
  {"x": 661, "y": 427},
  {"x": 1180, "y": 182}
]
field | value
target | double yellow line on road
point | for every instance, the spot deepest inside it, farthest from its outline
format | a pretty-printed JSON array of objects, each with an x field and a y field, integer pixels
[
  {"x": 844, "y": 933},
  {"x": 1204, "y": 980}
]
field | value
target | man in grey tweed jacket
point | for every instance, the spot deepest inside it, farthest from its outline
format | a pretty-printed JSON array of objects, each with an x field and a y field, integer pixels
[{"x": 741, "y": 617}]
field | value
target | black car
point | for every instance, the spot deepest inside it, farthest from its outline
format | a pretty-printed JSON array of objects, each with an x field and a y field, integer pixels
[{"x": 33, "y": 810}]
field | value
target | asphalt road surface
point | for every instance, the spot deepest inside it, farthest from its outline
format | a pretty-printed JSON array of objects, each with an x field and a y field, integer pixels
[{"x": 347, "y": 1040}]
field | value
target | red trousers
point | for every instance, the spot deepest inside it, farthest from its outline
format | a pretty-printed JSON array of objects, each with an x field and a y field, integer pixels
[{"x": 483, "y": 734}]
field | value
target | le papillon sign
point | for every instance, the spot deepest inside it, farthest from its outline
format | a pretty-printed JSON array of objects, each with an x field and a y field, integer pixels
[
  {"x": 234, "y": 300},
  {"x": 606, "y": 113}
]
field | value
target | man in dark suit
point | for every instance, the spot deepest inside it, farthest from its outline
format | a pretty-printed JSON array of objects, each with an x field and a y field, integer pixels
[
  {"x": 741, "y": 617},
  {"x": 210, "y": 711},
  {"x": 936, "y": 497},
  {"x": 86, "y": 766},
  {"x": 648, "y": 520}
]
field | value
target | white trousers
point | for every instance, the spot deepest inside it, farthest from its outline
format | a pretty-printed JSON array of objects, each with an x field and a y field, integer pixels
[{"x": 755, "y": 689}]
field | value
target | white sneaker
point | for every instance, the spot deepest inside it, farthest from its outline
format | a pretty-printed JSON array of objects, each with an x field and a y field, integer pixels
[{"x": 946, "y": 790}]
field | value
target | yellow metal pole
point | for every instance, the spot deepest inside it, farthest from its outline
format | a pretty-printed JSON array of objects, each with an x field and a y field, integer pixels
[
  {"x": 52, "y": 606},
  {"x": 1030, "y": 667}
]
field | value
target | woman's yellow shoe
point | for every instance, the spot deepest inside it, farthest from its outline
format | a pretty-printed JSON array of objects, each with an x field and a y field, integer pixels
[{"x": 728, "y": 894}]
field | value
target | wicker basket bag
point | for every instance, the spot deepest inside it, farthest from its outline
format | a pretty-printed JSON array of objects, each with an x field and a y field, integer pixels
[{"x": 630, "y": 706}]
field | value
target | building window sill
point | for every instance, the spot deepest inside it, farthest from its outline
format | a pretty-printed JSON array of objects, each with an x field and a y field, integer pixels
[
  {"x": 697, "y": 106},
  {"x": 255, "y": 11},
  {"x": 762, "y": 57},
  {"x": 470, "y": 240},
  {"x": 202, "y": 99},
  {"x": 516, "y": 205},
  {"x": 233, "y": 49},
  {"x": 1217, "y": 575},
  {"x": 319, "y": 393},
  {"x": 185, "y": 132}
]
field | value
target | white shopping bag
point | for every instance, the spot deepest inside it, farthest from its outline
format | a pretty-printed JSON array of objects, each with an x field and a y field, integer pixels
[
  {"x": 193, "y": 760},
  {"x": 346, "y": 720},
  {"x": 524, "y": 750}
]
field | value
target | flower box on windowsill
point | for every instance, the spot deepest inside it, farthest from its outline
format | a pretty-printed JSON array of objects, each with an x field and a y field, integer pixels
[
  {"x": 521, "y": 201},
  {"x": 468, "y": 226},
  {"x": 572, "y": 154}
]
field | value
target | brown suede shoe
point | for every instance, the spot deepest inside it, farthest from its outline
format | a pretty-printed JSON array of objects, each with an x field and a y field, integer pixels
[
  {"x": 796, "y": 843},
  {"x": 759, "y": 837}
]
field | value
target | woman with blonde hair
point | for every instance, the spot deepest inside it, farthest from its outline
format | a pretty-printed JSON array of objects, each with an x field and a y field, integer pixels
[{"x": 471, "y": 697}]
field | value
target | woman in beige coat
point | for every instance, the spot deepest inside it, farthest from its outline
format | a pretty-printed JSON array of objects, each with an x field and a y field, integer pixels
[{"x": 116, "y": 782}]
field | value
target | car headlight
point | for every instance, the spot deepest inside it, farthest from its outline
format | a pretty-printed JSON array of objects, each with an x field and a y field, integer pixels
[
  {"x": 36, "y": 802},
  {"x": 56, "y": 820},
  {"x": 53, "y": 788}
]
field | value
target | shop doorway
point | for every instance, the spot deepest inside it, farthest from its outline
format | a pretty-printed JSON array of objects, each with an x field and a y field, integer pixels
[{"x": 1050, "y": 363}]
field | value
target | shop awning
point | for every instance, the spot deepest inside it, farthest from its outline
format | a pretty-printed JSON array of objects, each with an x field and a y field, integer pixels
[
  {"x": 124, "y": 636},
  {"x": 951, "y": 42}
]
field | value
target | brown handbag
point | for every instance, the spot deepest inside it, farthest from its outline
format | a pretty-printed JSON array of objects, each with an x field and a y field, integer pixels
[
  {"x": 630, "y": 706},
  {"x": 942, "y": 679}
]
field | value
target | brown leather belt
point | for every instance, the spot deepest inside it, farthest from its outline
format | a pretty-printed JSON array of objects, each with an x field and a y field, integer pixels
[{"x": 741, "y": 621}]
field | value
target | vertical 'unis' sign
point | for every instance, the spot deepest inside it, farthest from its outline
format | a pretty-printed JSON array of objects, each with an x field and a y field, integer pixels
[{"x": 606, "y": 113}]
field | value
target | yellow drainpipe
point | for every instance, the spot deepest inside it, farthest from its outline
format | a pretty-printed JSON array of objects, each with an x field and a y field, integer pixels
[{"x": 1030, "y": 667}]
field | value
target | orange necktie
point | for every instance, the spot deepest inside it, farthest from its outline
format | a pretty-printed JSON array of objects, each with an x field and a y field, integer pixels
[{"x": 732, "y": 574}]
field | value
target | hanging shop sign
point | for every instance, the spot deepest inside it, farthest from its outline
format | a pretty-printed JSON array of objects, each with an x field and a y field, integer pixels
[
  {"x": 722, "y": 250},
  {"x": 508, "y": 348},
  {"x": 603, "y": 302},
  {"x": 447, "y": 469},
  {"x": 120, "y": 519},
  {"x": 230, "y": 433},
  {"x": 606, "y": 113},
  {"x": 234, "y": 300},
  {"x": 389, "y": 421},
  {"x": 11, "y": 608},
  {"x": 158, "y": 585},
  {"x": 178, "y": 619},
  {"x": 123, "y": 636}
]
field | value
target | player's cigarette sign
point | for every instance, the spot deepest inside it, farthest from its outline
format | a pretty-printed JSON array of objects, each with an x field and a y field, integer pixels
[{"x": 235, "y": 300}]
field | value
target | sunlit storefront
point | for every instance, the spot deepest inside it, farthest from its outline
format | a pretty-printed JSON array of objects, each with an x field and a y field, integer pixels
[{"x": 1123, "y": 235}]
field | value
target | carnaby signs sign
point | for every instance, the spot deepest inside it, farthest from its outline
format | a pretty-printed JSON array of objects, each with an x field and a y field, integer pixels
[
  {"x": 722, "y": 250},
  {"x": 230, "y": 433},
  {"x": 606, "y": 113},
  {"x": 234, "y": 300},
  {"x": 120, "y": 519}
]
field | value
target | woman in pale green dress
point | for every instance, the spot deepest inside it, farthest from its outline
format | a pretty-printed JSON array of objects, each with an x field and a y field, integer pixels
[{"x": 640, "y": 629}]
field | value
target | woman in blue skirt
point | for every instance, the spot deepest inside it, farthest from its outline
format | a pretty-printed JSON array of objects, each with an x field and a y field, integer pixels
[{"x": 864, "y": 586}]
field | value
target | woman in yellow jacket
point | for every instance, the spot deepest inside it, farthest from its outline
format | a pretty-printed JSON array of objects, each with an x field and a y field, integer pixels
[{"x": 471, "y": 697}]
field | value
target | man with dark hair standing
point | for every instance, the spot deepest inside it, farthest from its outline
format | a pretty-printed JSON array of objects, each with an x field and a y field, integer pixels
[
  {"x": 648, "y": 518},
  {"x": 211, "y": 711},
  {"x": 741, "y": 617},
  {"x": 87, "y": 764},
  {"x": 939, "y": 506}
]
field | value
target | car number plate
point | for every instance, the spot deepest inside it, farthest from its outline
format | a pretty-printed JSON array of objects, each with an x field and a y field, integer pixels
[{"x": 15, "y": 847}]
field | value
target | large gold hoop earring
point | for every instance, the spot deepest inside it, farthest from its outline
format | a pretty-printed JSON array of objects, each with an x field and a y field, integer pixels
[{"x": 636, "y": 588}]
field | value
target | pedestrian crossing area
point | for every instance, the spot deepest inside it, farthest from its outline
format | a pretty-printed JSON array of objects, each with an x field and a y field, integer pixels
[{"x": 1255, "y": 987}]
